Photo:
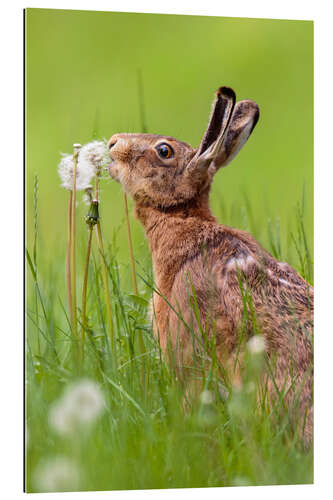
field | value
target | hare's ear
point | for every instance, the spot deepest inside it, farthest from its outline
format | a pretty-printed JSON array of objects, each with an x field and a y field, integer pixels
[
  {"x": 243, "y": 121},
  {"x": 214, "y": 137}
]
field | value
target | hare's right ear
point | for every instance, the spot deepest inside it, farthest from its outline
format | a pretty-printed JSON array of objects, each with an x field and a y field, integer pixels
[
  {"x": 228, "y": 130},
  {"x": 214, "y": 137}
]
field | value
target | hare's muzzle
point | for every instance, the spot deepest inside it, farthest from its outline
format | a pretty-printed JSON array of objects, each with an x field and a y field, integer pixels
[
  {"x": 116, "y": 152},
  {"x": 112, "y": 142}
]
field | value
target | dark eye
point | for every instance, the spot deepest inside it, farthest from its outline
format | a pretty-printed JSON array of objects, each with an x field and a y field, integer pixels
[{"x": 164, "y": 150}]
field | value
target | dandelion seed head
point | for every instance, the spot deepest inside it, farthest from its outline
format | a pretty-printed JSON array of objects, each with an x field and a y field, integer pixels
[
  {"x": 57, "y": 474},
  {"x": 93, "y": 159},
  {"x": 61, "y": 418},
  {"x": 256, "y": 344},
  {"x": 84, "y": 174},
  {"x": 86, "y": 400},
  {"x": 79, "y": 406},
  {"x": 95, "y": 156}
]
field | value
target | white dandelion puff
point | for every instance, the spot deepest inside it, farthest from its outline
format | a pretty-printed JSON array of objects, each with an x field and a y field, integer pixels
[
  {"x": 86, "y": 400},
  {"x": 83, "y": 175},
  {"x": 256, "y": 344},
  {"x": 57, "y": 474},
  {"x": 80, "y": 405},
  {"x": 61, "y": 418},
  {"x": 94, "y": 155},
  {"x": 93, "y": 158}
]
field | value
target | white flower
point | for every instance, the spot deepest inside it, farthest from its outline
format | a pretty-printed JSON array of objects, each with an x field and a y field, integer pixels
[
  {"x": 206, "y": 397},
  {"x": 80, "y": 405},
  {"x": 256, "y": 344},
  {"x": 57, "y": 474}
]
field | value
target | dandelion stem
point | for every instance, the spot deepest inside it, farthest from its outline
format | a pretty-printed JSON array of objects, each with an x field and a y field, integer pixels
[
  {"x": 96, "y": 188},
  {"x": 104, "y": 267},
  {"x": 73, "y": 255},
  {"x": 105, "y": 281},
  {"x": 68, "y": 258},
  {"x": 84, "y": 291}
]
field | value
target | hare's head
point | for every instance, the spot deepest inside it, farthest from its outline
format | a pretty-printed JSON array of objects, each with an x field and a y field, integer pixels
[{"x": 163, "y": 172}]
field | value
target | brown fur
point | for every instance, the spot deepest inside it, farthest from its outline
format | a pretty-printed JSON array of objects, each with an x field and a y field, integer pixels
[{"x": 189, "y": 248}]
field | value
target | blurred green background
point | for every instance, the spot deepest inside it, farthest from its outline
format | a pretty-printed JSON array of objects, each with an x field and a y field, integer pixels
[{"x": 81, "y": 77}]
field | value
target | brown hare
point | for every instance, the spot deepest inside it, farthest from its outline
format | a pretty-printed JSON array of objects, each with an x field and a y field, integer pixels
[{"x": 170, "y": 183}]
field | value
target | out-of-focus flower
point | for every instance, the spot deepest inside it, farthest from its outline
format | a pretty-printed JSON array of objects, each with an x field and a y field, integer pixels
[
  {"x": 62, "y": 418},
  {"x": 81, "y": 403},
  {"x": 207, "y": 414},
  {"x": 206, "y": 397},
  {"x": 241, "y": 481},
  {"x": 57, "y": 474},
  {"x": 256, "y": 344},
  {"x": 86, "y": 400}
]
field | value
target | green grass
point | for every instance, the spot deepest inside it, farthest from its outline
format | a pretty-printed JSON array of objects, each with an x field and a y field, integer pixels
[
  {"x": 147, "y": 437},
  {"x": 82, "y": 83}
]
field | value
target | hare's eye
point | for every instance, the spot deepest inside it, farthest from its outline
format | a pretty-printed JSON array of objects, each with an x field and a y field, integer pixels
[{"x": 164, "y": 150}]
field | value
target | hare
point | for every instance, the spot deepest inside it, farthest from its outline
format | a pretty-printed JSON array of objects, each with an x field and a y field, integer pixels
[{"x": 192, "y": 253}]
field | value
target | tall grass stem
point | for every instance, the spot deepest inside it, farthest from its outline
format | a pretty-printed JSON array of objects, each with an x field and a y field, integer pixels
[
  {"x": 130, "y": 246},
  {"x": 105, "y": 282},
  {"x": 73, "y": 246},
  {"x": 68, "y": 258},
  {"x": 84, "y": 293}
]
